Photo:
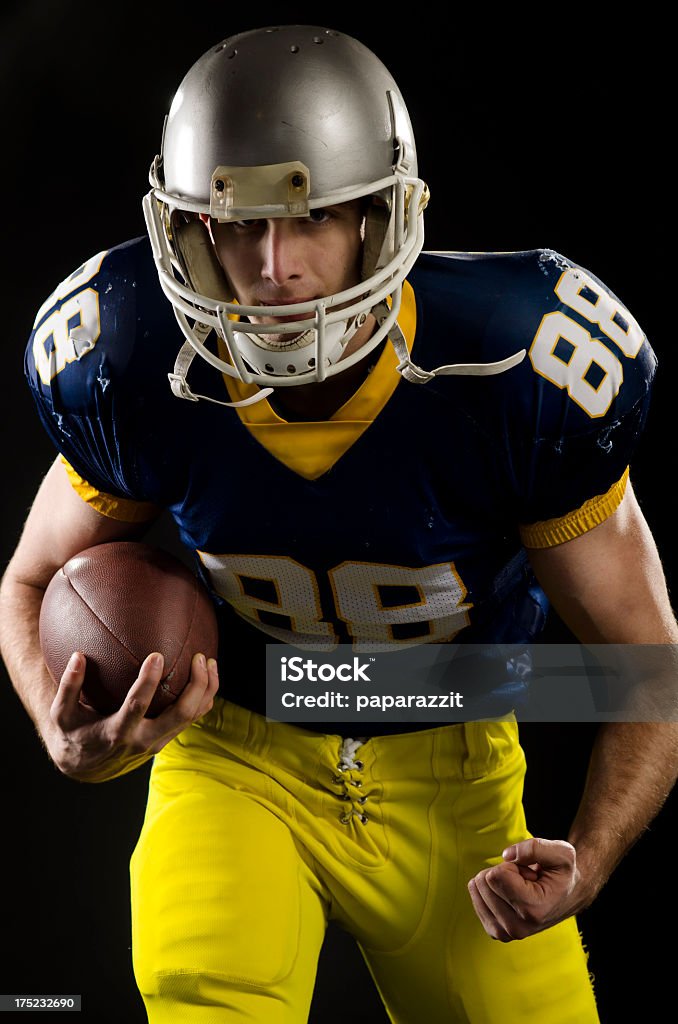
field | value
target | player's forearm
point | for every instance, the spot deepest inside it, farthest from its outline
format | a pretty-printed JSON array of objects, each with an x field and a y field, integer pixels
[
  {"x": 19, "y": 643},
  {"x": 633, "y": 768}
]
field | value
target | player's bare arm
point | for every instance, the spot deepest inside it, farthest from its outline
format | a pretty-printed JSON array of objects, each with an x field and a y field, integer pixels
[
  {"x": 609, "y": 587},
  {"x": 82, "y": 743}
]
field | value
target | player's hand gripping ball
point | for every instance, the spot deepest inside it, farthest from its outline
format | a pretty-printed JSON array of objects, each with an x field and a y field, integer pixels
[{"x": 117, "y": 603}]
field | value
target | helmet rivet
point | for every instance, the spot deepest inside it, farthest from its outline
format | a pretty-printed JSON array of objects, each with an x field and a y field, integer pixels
[
  {"x": 297, "y": 181},
  {"x": 294, "y": 49},
  {"x": 219, "y": 185}
]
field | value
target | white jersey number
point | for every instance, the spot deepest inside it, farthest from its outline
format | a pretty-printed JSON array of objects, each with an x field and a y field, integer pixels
[
  {"x": 73, "y": 329},
  {"x": 566, "y": 353},
  {"x": 380, "y": 604}
]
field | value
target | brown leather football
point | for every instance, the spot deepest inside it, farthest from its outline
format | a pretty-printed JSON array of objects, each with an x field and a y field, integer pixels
[{"x": 117, "y": 603}]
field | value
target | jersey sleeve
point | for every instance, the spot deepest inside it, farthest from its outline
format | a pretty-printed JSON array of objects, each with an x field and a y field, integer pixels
[
  {"x": 76, "y": 361},
  {"x": 578, "y": 406}
]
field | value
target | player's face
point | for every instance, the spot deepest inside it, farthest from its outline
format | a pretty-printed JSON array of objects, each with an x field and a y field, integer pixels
[{"x": 284, "y": 260}]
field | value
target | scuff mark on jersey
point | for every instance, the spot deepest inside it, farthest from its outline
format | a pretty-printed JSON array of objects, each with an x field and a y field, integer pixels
[
  {"x": 604, "y": 439},
  {"x": 60, "y": 424},
  {"x": 82, "y": 341},
  {"x": 547, "y": 256}
]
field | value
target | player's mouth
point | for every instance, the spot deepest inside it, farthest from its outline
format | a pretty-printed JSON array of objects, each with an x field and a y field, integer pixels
[{"x": 286, "y": 302}]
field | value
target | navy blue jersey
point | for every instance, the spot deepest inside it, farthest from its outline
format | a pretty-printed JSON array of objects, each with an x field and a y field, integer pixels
[{"x": 404, "y": 517}]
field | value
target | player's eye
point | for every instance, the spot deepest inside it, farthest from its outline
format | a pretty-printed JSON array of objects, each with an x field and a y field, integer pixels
[{"x": 318, "y": 216}]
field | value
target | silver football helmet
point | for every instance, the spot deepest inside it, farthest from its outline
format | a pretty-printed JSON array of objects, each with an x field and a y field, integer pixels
[{"x": 277, "y": 122}]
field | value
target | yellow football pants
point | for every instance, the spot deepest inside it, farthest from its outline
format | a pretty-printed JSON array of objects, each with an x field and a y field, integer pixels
[{"x": 257, "y": 833}]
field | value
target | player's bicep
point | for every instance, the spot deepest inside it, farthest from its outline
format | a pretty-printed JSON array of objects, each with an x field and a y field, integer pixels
[
  {"x": 608, "y": 585},
  {"x": 59, "y": 525}
]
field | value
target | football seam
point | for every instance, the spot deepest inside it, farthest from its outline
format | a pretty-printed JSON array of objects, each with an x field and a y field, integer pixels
[
  {"x": 87, "y": 605},
  {"x": 168, "y": 676}
]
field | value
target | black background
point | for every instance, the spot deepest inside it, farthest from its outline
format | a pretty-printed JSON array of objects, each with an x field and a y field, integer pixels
[{"x": 542, "y": 131}]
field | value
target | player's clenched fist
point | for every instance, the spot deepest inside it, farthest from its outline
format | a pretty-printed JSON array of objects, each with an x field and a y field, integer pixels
[{"x": 535, "y": 887}]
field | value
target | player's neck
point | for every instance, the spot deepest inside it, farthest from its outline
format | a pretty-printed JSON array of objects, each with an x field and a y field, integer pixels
[{"x": 308, "y": 402}]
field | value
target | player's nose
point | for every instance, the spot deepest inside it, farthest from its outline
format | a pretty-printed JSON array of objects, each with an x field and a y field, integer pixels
[{"x": 281, "y": 252}]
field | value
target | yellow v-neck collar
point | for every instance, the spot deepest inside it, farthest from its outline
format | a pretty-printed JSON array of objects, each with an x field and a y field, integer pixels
[{"x": 312, "y": 448}]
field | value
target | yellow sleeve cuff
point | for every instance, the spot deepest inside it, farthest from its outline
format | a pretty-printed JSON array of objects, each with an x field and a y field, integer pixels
[
  {"x": 124, "y": 509},
  {"x": 550, "y": 532}
]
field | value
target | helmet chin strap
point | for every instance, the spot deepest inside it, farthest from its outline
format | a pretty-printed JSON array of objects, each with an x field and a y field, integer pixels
[{"x": 299, "y": 357}]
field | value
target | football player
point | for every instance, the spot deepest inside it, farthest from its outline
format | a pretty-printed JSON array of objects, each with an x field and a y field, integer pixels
[{"x": 362, "y": 443}]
